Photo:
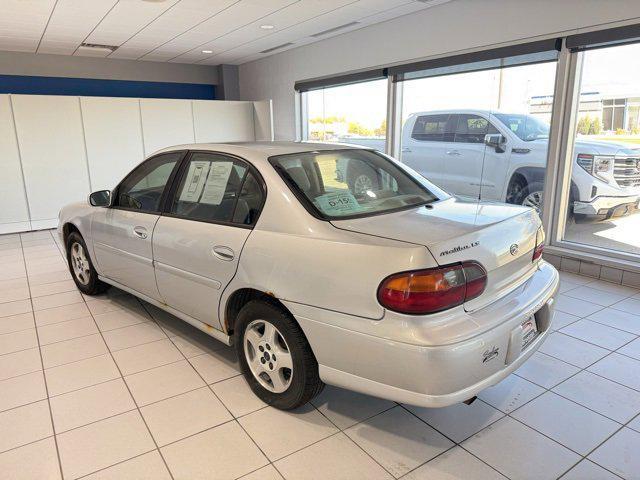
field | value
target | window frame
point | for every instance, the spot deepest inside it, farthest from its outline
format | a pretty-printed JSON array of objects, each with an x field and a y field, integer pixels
[
  {"x": 165, "y": 191},
  {"x": 173, "y": 190}
]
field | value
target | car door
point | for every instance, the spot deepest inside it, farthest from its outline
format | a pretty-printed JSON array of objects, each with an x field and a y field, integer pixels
[
  {"x": 198, "y": 240},
  {"x": 423, "y": 149},
  {"x": 122, "y": 233},
  {"x": 465, "y": 155}
]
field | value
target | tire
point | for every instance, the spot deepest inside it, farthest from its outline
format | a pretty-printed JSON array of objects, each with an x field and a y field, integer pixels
[
  {"x": 520, "y": 193},
  {"x": 257, "y": 344},
  {"x": 81, "y": 267}
]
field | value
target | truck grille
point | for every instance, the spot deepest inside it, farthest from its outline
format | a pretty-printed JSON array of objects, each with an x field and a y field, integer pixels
[{"x": 626, "y": 171}]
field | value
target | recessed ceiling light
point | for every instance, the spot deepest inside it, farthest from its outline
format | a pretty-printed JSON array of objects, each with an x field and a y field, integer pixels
[
  {"x": 207, "y": 51},
  {"x": 266, "y": 27}
]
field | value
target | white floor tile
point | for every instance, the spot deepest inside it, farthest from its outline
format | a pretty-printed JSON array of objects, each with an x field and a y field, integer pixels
[
  {"x": 16, "y": 341},
  {"x": 346, "y": 408},
  {"x": 19, "y": 363},
  {"x": 102, "y": 444},
  {"x": 608, "y": 398},
  {"x": 23, "y": 425},
  {"x": 59, "y": 332},
  {"x": 459, "y": 421},
  {"x": 574, "y": 306},
  {"x": 217, "y": 366},
  {"x": 619, "y": 368},
  {"x": 61, "y": 314},
  {"x": 632, "y": 349},
  {"x": 510, "y": 393},
  {"x": 73, "y": 350},
  {"x": 597, "y": 296},
  {"x": 90, "y": 404},
  {"x": 221, "y": 452},
  {"x": 336, "y": 457},
  {"x": 454, "y": 464},
  {"x": 15, "y": 308},
  {"x": 38, "y": 460},
  {"x": 625, "y": 321},
  {"x": 120, "y": 318},
  {"x": 145, "y": 467},
  {"x": 21, "y": 390},
  {"x": 144, "y": 357},
  {"x": 587, "y": 470},
  {"x": 596, "y": 333},
  {"x": 546, "y": 371},
  {"x": 237, "y": 396},
  {"x": 133, "y": 336},
  {"x": 189, "y": 413},
  {"x": 619, "y": 454},
  {"x": 52, "y": 288},
  {"x": 81, "y": 374},
  {"x": 571, "y": 350},
  {"x": 56, "y": 300},
  {"x": 572, "y": 425},
  {"x": 16, "y": 323},
  {"x": 562, "y": 319},
  {"x": 629, "y": 305},
  {"x": 635, "y": 424},
  {"x": 265, "y": 473},
  {"x": 520, "y": 452},
  {"x": 296, "y": 429},
  {"x": 398, "y": 441},
  {"x": 163, "y": 382}
]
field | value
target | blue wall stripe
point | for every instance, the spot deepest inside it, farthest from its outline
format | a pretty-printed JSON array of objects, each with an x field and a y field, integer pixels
[{"x": 92, "y": 87}]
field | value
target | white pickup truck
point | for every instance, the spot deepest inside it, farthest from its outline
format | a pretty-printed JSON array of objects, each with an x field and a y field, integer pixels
[{"x": 503, "y": 156}]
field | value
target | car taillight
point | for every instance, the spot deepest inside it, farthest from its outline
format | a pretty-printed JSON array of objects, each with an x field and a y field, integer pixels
[
  {"x": 537, "y": 252},
  {"x": 433, "y": 290}
]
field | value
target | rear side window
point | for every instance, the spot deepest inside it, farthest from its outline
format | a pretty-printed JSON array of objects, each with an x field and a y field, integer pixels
[
  {"x": 142, "y": 189},
  {"x": 434, "y": 128},
  {"x": 217, "y": 188}
]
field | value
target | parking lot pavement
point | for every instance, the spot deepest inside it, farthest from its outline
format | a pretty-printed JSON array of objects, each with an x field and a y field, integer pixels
[{"x": 622, "y": 233}]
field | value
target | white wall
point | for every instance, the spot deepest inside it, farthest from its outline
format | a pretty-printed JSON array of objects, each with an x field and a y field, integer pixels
[
  {"x": 57, "y": 149},
  {"x": 452, "y": 27}
]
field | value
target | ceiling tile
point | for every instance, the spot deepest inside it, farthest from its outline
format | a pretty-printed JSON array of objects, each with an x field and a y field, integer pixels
[{"x": 22, "y": 23}]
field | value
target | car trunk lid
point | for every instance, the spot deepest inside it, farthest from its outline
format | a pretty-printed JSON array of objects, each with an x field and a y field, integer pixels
[{"x": 500, "y": 237}]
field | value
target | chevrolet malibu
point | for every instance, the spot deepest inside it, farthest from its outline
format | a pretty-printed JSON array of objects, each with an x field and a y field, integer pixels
[{"x": 400, "y": 291}]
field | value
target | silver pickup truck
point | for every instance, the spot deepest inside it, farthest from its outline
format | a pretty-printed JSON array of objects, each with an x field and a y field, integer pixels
[{"x": 503, "y": 156}]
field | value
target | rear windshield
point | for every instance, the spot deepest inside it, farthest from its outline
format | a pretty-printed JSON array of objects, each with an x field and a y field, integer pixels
[{"x": 350, "y": 183}]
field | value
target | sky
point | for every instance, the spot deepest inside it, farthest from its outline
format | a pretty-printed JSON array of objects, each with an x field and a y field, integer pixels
[{"x": 366, "y": 103}]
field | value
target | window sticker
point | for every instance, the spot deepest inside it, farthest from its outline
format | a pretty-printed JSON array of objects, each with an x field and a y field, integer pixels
[
  {"x": 338, "y": 203},
  {"x": 216, "y": 183},
  {"x": 194, "y": 183}
]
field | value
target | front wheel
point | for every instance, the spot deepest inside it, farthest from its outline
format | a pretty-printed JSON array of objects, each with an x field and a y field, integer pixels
[
  {"x": 82, "y": 270},
  {"x": 275, "y": 357}
]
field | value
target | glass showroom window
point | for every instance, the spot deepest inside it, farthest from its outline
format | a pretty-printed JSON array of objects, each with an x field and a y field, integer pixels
[
  {"x": 605, "y": 152},
  {"x": 481, "y": 134},
  {"x": 354, "y": 113}
]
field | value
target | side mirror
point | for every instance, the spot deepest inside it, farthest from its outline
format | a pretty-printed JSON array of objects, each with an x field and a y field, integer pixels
[
  {"x": 101, "y": 198},
  {"x": 496, "y": 141}
]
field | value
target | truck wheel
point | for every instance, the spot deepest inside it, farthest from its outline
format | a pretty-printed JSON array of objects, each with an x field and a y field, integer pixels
[
  {"x": 81, "y": 267},
  {"x": 275, "y": 357},
  {"x": 520, "y": 192},
  {"x": 361, "y": 179}
]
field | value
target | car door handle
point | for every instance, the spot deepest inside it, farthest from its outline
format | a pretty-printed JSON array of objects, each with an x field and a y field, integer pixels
[
  {"x": 140, "y": 232},
  {"x": 405, "y": 149},
  {"x": 453, "y": 152},
  {"x": 223, "y": 253}
]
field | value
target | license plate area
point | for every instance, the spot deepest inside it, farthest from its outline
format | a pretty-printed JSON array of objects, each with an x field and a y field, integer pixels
[{"x": 529, "y": 331}]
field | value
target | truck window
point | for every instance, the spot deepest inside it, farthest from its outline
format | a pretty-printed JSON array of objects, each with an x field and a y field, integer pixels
[
  {"x": 434, "y": 128},
  {"x": 473, "y": 128}
]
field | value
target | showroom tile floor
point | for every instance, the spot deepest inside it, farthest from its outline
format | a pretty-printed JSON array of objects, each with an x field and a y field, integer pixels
[{"x": 111, "y": 388}]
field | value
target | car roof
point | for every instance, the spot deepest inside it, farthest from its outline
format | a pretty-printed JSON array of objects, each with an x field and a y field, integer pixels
[{"x": 265, "y": 149}]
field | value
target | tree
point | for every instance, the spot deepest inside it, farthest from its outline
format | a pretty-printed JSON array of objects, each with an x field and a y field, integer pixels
[
  {"x": 583, "y": 125},
  {"x": 356, "y": 129},
  {"x": 381, "y": 131},
  {"x": 596, "y": 126}
]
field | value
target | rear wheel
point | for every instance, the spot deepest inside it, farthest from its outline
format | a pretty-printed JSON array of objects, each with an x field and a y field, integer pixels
[
  {"x": 275, "y": 357},
  {"x": 361, "y": 179},
  {"x": 81, "y": 267}
]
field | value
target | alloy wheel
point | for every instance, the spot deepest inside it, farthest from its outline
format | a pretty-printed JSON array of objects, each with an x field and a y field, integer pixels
[
  {"x": 268, "y": 356},
  {"x": 362, "y": 184},
  {"x": 534, "y": 200},
  {"x": 80, "y": 263}
]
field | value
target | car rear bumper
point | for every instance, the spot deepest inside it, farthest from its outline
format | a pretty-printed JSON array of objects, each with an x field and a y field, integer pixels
[
  {"x": 606, "y": 205},
  {"x": 440, "y": 375}
]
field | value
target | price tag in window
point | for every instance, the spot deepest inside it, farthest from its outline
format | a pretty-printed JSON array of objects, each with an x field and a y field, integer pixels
[
  {"x": 194, "y": 183},
  {"x": 216, "y": 183},
  {"x": 338, "y": 203}
]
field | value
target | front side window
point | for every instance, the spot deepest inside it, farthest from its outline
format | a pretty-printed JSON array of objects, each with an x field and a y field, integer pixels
[
  {"x": 526, "y": 127},
  {"x": 217, "y": 188},
  {"x": 142, "y": 189},
  {"x": 473, "y": 128},
  {"x": 347, "y": 183}
]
